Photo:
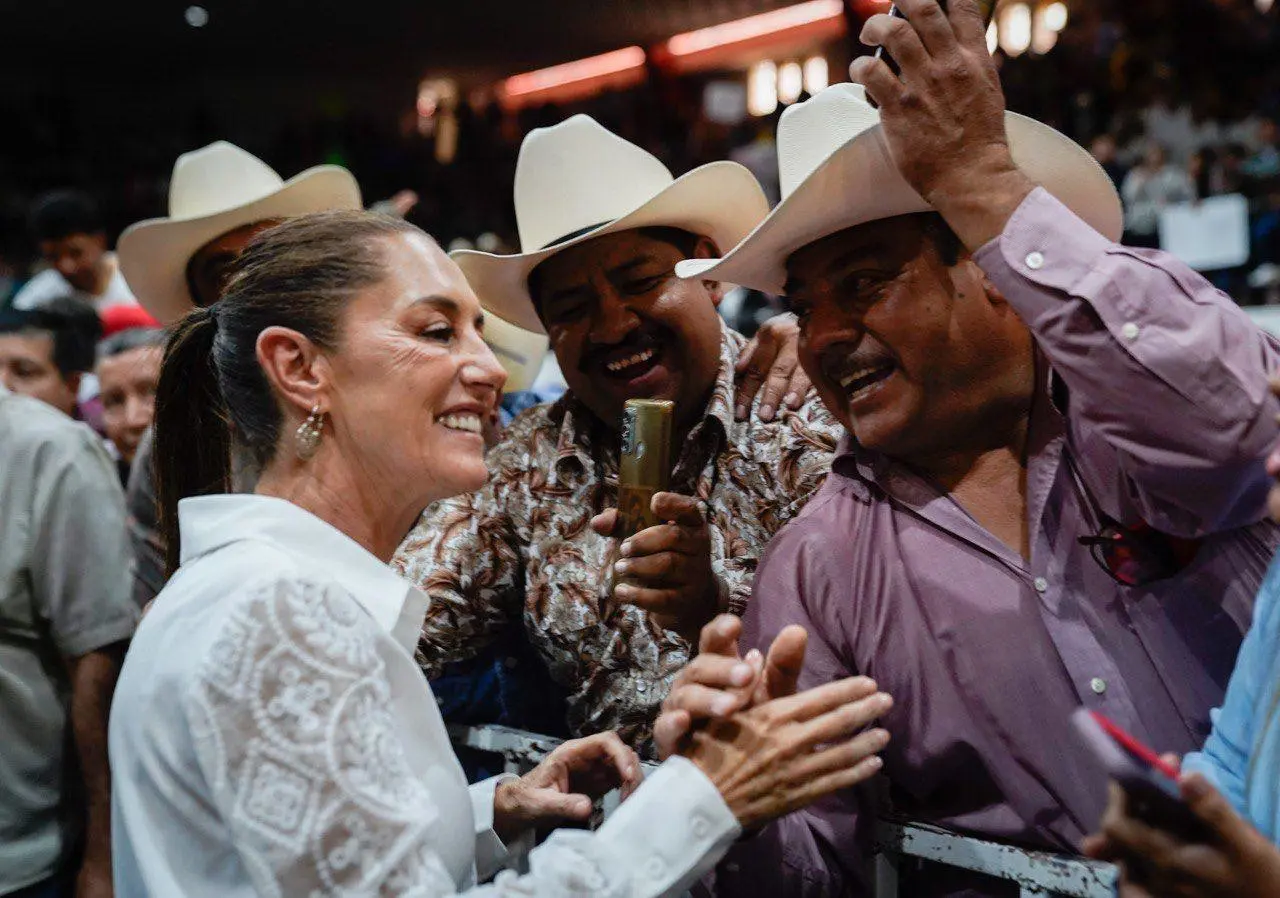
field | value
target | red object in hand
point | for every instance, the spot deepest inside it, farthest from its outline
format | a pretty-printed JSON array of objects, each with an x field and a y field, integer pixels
[{"x": 1136, "y": 748}]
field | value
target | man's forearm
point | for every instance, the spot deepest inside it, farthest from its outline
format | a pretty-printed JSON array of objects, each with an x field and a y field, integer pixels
[{"x": 93, "y": 681}]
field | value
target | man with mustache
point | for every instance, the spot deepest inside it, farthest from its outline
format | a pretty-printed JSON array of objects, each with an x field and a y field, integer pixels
[
  {"x": 1051, "y": 494},
  {"x": 603, "y": 224}
]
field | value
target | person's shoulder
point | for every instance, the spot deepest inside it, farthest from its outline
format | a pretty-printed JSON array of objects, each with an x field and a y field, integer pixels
[
  {"x": 530, "y": 441},
  {"x": 42, "y": 286},
  {"x": 30, "y": 426},
  {"x": 825, "y": 528}
]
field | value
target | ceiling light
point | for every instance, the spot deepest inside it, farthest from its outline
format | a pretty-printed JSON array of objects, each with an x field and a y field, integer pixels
[
  {"x": 755, "y": 26},
  {"x": 196, "y": 16},
  {"x": 816, "y": 76},
  {"x": 993, "y": 38},
  {"x": 1055, "y": 16},
  {"x": 578, "y": 72},
  {"x": 790, "y": 83},
  {"x": 1015, "y": 28},
  {"x": 762, "y": 88}
]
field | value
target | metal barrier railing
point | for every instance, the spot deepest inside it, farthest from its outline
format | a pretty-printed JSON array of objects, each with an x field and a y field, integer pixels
[{"x": 1038, "y": 874}]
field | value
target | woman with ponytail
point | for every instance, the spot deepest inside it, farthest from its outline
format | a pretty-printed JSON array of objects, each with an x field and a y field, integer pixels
[{"x": 271, "y": 733}]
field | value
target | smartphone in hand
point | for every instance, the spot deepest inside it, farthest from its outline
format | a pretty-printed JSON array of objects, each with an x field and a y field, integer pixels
[{"x": 1150, "y": 784}]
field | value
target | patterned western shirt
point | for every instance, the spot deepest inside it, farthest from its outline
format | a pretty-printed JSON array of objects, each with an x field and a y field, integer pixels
[{"x": 522, "y": 549}]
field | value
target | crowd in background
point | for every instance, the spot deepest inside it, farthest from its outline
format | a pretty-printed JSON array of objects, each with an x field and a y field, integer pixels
[{"x": 1192, "y": 78}]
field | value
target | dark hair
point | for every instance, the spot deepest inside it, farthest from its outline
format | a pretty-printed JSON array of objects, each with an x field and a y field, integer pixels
[
  {"x": 71, "y": 323},
  {"x": 131, "y": 339},
  {"x": 300, "y": 274},
  {"x": 685, "y": 241},
  {"x": 62, "y": 213}
]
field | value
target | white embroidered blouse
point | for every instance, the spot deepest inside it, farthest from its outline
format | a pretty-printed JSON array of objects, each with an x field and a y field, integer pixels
[{"x": 272, "y": 735}]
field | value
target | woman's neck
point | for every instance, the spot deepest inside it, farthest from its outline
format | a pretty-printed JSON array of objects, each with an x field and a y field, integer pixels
[{"x": 375, "y": 518}]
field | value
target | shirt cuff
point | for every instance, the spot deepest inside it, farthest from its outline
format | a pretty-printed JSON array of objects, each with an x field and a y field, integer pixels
[
  {"x": 491, "y": 854},
  {"x": 671, "y": 832},
  {"x": 1043, "y": 243}
]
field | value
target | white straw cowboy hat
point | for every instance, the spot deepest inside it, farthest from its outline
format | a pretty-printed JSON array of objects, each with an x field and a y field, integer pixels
[
  {"x": 519, "y": 352},
  {"x": 836, "y": 172},
  {"x": 214, "y": 190},
  {"x": 576, "y": 181}
]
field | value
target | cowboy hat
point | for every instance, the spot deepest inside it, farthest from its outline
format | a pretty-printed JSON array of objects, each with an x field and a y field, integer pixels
[
  {"x": 576, "y": 181},
  {"x": 519, "y": 352},
  {"x": 836, "y": 172},
  {"x": 214, "y": 190}
]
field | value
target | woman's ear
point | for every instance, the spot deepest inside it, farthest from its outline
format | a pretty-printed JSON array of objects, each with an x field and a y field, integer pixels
[
  {"x": 706, "y": 249},
  {"x": 296, "y": 370}
]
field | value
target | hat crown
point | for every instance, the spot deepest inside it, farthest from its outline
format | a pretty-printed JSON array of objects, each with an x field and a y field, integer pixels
[
  {"x": 576, "y": 175},
  {"x": 810, "y": 132},
  {"x": 216, "y": 178}
]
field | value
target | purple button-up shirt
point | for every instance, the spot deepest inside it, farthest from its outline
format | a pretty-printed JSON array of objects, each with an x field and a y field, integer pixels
[{"x": 986, "y": 654}]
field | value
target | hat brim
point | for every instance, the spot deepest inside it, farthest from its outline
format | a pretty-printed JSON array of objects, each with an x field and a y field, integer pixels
[
  {"x": 721, "y": 200},
  {"x": 154, "y": 254},
  {"x": 859, "y": 183}
]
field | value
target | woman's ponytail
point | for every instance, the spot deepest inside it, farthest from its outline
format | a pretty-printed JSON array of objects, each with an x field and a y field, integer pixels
[{"x": 192, "y": 434}]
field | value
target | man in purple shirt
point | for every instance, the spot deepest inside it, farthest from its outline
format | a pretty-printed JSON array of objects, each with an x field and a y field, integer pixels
[{"x": 1012, "y": 381}]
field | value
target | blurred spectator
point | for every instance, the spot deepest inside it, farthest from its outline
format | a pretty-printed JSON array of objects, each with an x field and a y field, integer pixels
[
  {"x": 1154, "y": 184},
  {"x": 1202, "y": 170},
  {"x": 128, "y": 370},
  {"x": 1265, "y": 163},
  {"x": 123, "y": 318},
  {"x": 46, "y": 351},
  {"x": 69, "y": 230},
  {"x": 1104, "y": 149},
  {"x": 65, "y": 617}
]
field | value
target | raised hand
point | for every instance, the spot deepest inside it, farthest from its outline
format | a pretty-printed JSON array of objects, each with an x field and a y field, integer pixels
[{"x": 943, "y": 118}]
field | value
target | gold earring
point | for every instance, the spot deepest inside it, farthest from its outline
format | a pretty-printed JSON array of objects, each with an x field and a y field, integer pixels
[{"x": 308, "y": 434}]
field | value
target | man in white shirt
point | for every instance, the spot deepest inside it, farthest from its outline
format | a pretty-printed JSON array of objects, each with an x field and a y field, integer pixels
[
  {"x": 68, "y": 228},
  {"x": 65, "y": 616}
]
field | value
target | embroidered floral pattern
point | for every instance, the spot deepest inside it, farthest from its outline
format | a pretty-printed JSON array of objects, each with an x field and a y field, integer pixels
[
  {"x": 522, "y": 549},
  {"x": 298, "y": 743}
]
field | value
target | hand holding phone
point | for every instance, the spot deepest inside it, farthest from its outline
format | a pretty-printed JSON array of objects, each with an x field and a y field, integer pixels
[{"x": 1149, "y": 782}]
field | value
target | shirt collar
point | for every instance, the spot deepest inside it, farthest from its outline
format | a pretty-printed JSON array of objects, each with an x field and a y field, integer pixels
[
  {"x": 579, "y": 428},
  {"x": 207, "y": 523}
]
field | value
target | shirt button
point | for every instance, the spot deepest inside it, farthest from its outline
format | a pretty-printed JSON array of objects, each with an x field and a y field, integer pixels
[
  {"x": 655, "y": 868},
  {"x": 1098, "y": 685},
  {"x": 1130, "y": 331},
  {"x": 700, "y": 827},
  {"x": 1035, "y": 261},
  {"x": 1041, "y": 584}
]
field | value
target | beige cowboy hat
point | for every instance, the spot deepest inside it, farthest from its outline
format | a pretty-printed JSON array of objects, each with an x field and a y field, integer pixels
[
  {"x": 836, "y": 172},
  {"x": 214, "y": 190},
  {"x": 519, "y": 352},
  {"x": 576, "y": 181}
]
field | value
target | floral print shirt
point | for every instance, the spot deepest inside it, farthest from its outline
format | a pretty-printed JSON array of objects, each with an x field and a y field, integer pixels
[{"x": 522, "y": 549}]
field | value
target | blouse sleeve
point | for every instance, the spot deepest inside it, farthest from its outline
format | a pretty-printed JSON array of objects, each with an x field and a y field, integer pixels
[{"x": 294, "y": 725}]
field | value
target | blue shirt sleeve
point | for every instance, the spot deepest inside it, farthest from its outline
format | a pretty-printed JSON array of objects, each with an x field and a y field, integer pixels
[{"x": 1226, "y": 757}]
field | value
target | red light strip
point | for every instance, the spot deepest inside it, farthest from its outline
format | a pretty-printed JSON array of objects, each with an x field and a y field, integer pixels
[
  {"x": 575, "y": 72},
  {"x": 751, "y": 27}
]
